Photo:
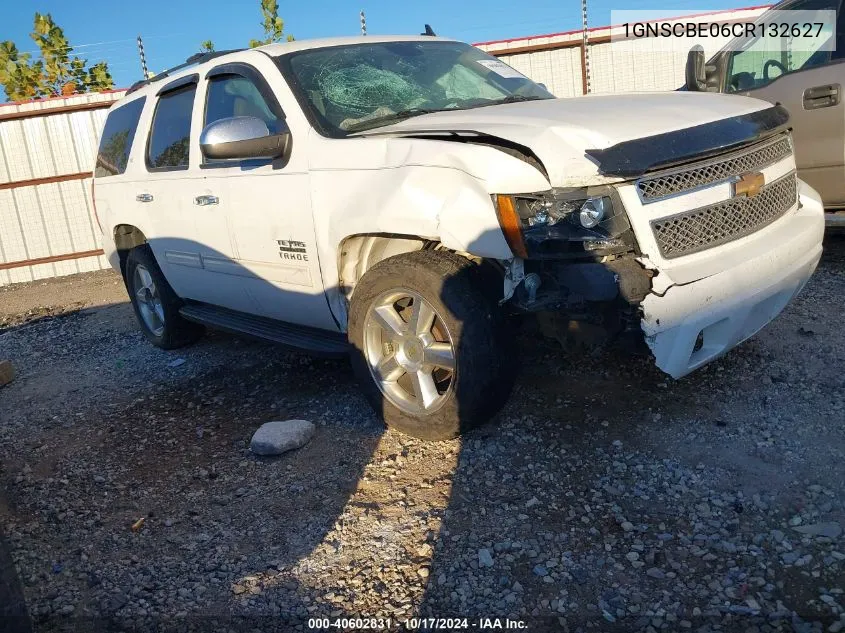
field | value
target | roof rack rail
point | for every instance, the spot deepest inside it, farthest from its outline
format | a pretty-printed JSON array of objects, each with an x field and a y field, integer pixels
[{"x": 197, "y": 58}]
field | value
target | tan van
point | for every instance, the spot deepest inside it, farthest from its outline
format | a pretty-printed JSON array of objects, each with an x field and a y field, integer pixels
[{"x": 808, "y": 84}]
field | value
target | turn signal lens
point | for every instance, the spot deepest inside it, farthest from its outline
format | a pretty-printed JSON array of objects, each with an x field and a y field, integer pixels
[{"x": 511, "y": 224}]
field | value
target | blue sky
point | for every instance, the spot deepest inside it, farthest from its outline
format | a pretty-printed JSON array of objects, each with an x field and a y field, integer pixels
[{"x": 173, "y": 29}]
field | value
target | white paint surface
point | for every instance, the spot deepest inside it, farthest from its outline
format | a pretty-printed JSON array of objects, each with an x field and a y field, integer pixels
[
  {"x": 733, "y": 304},
  {"x": 388, "y": 184}
]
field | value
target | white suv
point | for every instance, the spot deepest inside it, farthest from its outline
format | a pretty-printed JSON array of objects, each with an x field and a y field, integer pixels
[{"x": 400, "y": 198}]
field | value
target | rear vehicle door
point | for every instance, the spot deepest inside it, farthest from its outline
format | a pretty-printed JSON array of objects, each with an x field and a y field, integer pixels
[
  {"x": 265, "y": 203},
  {"x": 187, "y": 240},
  {"x": 809, "y": 84},
  {"x": 113, "y": 189}
]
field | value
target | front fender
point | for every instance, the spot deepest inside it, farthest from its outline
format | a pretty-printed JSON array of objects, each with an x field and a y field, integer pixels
[
  {"x": 435, "y": 203},
  {"x": 434, "y": 189}
]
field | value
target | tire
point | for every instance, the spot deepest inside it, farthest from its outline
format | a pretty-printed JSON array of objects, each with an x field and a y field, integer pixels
[
  {"x": 466, "y": 319},
  {"x": 157, "y": 314}
]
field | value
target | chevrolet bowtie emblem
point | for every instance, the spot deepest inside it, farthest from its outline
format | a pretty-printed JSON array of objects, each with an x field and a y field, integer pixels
[{"x": 749, "y": 184}]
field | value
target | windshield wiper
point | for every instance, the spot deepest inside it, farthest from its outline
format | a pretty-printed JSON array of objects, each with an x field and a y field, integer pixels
[
  {"x": 509, "y": 99},
  {"x": 389, "y": 118}
]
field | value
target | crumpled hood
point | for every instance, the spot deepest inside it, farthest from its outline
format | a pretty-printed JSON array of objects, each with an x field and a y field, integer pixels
[{"x": 559, "y": 131}]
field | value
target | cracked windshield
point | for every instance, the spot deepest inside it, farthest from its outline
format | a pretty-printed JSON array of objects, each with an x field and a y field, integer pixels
[{"x": 360, "y": 87}]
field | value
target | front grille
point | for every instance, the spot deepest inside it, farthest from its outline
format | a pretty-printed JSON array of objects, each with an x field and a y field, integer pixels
[
  {"x": 700, "y": 229},
  {"x": 654, "y": 188}
]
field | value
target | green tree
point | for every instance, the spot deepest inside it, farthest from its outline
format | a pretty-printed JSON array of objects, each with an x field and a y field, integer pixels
[
  {"x": 99, "y": 77},
  {"x": 57, "y": 72},
  {"x": 20, "y": 78},
  {"x": 273, "y": 25}
]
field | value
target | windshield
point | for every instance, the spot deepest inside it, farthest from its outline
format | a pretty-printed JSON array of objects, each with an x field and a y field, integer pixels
[{"x": 364, "y": 86}]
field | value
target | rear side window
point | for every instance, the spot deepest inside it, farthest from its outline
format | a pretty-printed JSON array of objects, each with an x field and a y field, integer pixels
[
  {"x": 171, "y": 131},
  {"x": 117, "y": 137}
]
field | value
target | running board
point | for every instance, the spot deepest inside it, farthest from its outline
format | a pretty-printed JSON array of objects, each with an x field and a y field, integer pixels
[{"x": 313, "y": 340}]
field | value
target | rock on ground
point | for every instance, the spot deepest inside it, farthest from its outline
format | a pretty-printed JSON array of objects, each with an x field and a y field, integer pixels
[
  {"x": 830, "y": 530},
  {"x": 275, "y": 438}
]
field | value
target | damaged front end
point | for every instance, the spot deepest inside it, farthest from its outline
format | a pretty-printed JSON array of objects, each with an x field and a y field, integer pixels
[
  {"x": 577, "y": 268},
  {"x": 707, "y": 238}
]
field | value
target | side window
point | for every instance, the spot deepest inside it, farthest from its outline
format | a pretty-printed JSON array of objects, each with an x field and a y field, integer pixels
[
  {"x": 116, "y": 139},
  {"x": 171, "y": 130},
  {"x": 767, "y": 58},
  {"x": 234, "y": 95}
]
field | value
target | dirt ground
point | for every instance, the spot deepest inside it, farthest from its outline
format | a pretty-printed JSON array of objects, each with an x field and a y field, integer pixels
[{"x": 605, "y": 496}]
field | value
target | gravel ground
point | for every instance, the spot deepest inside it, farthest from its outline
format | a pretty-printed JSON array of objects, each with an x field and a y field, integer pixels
[{"x": 604, "y": 497}]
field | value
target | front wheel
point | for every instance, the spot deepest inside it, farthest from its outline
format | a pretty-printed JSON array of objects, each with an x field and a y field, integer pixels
[{"x": 431, "y": 350}]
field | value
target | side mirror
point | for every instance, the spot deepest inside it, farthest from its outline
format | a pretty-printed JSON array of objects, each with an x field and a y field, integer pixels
[
  {"x": 543, "y": 86},
  {"x": 695, "y": 74},
  {"x": 243, "y": 137}
]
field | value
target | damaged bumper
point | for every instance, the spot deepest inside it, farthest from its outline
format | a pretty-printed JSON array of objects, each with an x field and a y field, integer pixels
[{"x": 689, "y": 325}]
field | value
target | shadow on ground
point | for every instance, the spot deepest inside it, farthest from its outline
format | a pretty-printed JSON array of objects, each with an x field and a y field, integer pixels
[{"x": 239, "y": 533}]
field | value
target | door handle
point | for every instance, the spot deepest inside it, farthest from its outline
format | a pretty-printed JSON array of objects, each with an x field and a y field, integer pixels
[
  {"x": 204, "y": 201},
  {"x": 144, "y": 197},
  {"x": 822, "y": 96}
]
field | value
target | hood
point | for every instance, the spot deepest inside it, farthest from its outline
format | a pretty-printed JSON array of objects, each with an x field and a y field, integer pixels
[{"x": 561, "y": 132}]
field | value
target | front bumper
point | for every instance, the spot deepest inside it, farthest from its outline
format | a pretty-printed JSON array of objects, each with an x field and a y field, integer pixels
[{"x": 689, "y": 325}]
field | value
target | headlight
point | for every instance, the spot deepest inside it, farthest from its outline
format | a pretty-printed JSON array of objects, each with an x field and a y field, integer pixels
[
  {"x": 564, "y": 222},
  {"x": 593, "y": 212}
]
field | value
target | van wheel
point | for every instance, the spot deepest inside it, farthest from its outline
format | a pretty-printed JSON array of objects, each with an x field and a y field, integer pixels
[
  {"x": 430, "y": 347},
  {"x": 156, "y": 305}
]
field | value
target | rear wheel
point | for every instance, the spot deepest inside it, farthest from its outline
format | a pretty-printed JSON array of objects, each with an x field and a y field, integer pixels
[
  {"x": 430, "y": 345},
  {"x": 155, "y": 303}
]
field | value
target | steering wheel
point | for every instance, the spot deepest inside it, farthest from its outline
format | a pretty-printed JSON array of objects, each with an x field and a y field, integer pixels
[
  {"x": 742, "y": 81},
  {"x": 772, "y": 62}
]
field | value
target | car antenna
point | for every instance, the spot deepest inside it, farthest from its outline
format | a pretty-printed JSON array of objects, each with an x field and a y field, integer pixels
[{"x": 429, "y": 31}]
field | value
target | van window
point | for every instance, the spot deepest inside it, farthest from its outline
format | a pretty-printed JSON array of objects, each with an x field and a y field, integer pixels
[
  {"x": 766, "y": 58},
  {"x": 116, "y": 139},
  {"x": 171, "y": 130}
]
